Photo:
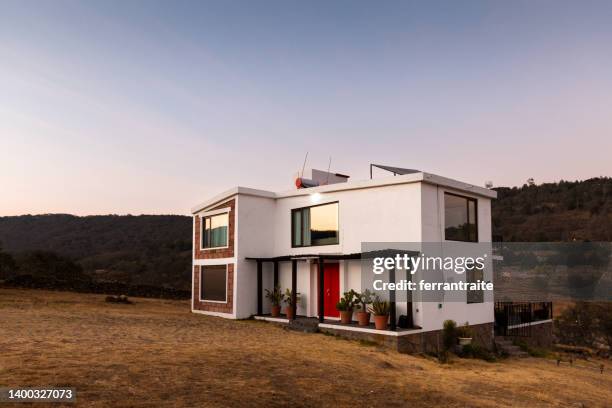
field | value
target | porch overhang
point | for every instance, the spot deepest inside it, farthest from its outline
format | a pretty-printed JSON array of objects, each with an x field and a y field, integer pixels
[
  {"x": 335, "y": 257},
  {"x": 321, "y": 258}
]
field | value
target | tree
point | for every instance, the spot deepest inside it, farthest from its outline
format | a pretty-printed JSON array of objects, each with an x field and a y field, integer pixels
[
  {"x": 49, "y": 265},
  {"x": 7, "y": 264},
  {"x": 576, "y": 325}
]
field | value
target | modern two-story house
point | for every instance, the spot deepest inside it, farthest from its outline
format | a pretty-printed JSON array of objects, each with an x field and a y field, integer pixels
[{"x": 310, "y": 239}]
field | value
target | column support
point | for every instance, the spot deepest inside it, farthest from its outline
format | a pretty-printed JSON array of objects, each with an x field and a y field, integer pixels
[
  {"x": 259, "y": 289},
  {"x": 409, "y": 300},
  {"x": 294, "y": 286},
  {"x": 275, "y": 274},
  {"x": 393, "y": 312},
  {"x": 321, "y": 290}
]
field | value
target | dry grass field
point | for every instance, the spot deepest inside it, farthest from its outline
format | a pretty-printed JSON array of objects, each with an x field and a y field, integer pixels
[{"x": 156, "y": 353}]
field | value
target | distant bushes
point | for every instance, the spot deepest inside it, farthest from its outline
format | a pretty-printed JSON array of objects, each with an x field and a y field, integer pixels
[
  {"x": 107, "y": 287},
  {"x": 586, "y": 324},
  {"x": 48, "y": 270},
  {"x": 137, "y": 250}
]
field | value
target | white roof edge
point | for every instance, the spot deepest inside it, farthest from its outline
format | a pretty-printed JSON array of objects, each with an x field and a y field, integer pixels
[
  {"x": 459, "y": 185},
  {"x": 393, "y": 180},
  {"x": 352, "y": 185},
  {"x": 229, "y": 193}
]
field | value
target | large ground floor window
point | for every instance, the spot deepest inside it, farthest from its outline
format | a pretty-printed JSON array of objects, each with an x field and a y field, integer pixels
[{"x": 213, "y": 283}]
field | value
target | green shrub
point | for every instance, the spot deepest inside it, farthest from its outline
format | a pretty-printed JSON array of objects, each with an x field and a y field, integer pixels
[
  {"x": 464, "y": 331},
  {"x": 275, "y": 296},
  {"x": 532, "y": 351},
  {"x": 380, "y": 307},
  {"x": 475, "y": 351},
  {"x": 347, "y": 302},
  {"x": 363, "y": 299},
  {"x": 288, "y": 297},
  {"x": 449, "y": 334}
]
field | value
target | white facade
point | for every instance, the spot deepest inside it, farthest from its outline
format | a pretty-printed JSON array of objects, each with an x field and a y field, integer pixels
[{"x": 405, "y": 208}]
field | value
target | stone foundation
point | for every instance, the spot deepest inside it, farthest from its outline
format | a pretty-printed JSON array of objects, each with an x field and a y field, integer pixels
[{"x": 419, "y": 342}]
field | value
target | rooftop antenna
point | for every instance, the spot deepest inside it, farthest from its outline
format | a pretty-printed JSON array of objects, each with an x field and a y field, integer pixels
[
  {"x": 304, "y": 165},
  {"x": 328, "y": 167}
]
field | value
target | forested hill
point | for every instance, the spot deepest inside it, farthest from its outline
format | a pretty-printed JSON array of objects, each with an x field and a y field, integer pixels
[
  {"x": 145, "y": 249},
  {"x": 551, "y": 212},
  {"x": 156, "y": 249}
]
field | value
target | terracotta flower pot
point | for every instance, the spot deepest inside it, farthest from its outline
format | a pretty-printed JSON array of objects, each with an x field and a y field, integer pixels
[
  {"x": 380, "y": 322},
  {"x": 363, "y": 318},
  {"x": 289, "y": 312},
  {"x": 346, "y": 316},
  {"x": 275, "y": 310}
]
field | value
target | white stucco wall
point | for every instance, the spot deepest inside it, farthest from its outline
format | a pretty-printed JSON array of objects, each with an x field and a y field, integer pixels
[
  {"x": 411, "y": 212},
  {"x": 431, "y": 316},
  {"x": 390, "y": 213}
]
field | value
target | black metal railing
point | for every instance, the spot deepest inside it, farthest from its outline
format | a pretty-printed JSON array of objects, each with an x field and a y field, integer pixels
[{"x": 514, "y": 319}]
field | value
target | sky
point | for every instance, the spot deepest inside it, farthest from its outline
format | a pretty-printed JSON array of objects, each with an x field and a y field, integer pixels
[{"x": 151, "y": 107}]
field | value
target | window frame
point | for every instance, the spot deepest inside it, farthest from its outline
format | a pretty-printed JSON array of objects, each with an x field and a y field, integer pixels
[
  {"x": 210, "y": 214},
  {"x": 467, "y": 208},
  {"x": 293, "y": 210},
  {"x": 202, "y": 280}
]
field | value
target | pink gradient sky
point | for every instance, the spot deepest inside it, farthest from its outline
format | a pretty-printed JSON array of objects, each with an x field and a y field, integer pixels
[{"x": 120, "y": 108}]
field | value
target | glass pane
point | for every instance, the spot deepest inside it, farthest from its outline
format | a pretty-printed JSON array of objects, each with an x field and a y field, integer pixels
[
  {"x": 213, "y": 283},
  {"x": 296, "y": 225},
  {"x": 206, "y": 233},
  {"x": 324, "y": 224},
  {"x": 455, "y": 218},
  {"x": 306, "y": 226},
  {"x": 472, "y": 232},
  {"x": 216, "y": 231},
  {"x": 460, "y": 219}
]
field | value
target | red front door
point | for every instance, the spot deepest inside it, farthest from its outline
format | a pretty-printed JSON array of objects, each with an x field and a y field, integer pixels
[{"x": 331, "y": 285}]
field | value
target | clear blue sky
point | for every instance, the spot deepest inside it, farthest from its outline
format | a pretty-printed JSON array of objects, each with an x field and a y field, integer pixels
[{"x": 150, "y": 107}]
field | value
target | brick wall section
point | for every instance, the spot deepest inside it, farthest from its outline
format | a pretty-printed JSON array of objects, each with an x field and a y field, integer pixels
[
  {"x": 226, "y": 307},
  {"x": 216, "y": 253}
]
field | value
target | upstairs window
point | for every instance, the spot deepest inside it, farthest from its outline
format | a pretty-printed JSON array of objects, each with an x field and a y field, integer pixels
[
  {"x": 214, "y": 231},
  {"x": 460, "y": 219},
  {"x": 314, "y": 226}
]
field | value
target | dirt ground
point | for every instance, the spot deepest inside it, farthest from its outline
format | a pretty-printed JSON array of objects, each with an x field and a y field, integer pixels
[{"x": 156, "y": 353}]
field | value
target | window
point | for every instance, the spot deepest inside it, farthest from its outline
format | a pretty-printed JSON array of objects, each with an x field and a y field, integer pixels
[
  {"x": 473, "y": 276},
  {"x": 460, "y": 219},
  {"x": 214, "y": 231},
  {"x": 312, "y": 226},
  {"x": 213, "y": 283}
]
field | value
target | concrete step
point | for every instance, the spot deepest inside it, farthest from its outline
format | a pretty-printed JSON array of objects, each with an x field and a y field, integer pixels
[
  {"x": 509, "y": 348},
  {"x": 519, "y": 354},
  {"x": 304, "y": 325}
]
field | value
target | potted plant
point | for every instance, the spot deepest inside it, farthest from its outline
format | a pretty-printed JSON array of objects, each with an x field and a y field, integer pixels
[
  {"x": 380, "y": 310},
  {"x": 363, "y": 300},
  {"x": 290, "y": 309},
  {"x": 345, "y": 306},
  {"x": 464, "y": 334},
  {"x": 276, "y": 298}
]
